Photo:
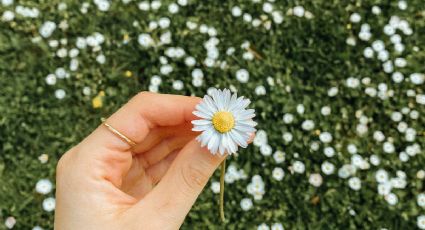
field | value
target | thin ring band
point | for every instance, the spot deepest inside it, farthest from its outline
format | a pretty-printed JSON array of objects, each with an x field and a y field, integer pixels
[{"x": 118, "y": 134}]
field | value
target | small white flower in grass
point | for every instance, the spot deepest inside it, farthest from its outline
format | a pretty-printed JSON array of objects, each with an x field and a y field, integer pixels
[
  {"x": 145, "y": 40},
  {"x": 420, "y": 174},
  {"x": 417, "y": 78},
  {"x": 7, "y": 16},
  {"x": 287, "y": 137},
  {"x": 421, "y": 221},
  {"x": 156, "y": 4},
  {"x": 256, "y": 187},
  {"x": 325, "y": 137},
  {"x": 402, "y": 5},
  {"x": 332, "y": 91},
  {"x": 182, "y": 2},
  {"x": 298, "y": 11},
  {"x": 376, "y": 10},
  {"x": 307, "y": 125},
  {"x": 279, "y": 156},
  {"x": 101, "y": 59},
  {"x": 300, "y": 109},
  {"x": 153, "y": 88},
  {"x": 103, "y": 5},
  {"x": 267, "y": 7},
  {"x": 278, "y": 174},
  {"x": 215, "y": 187},
  {"x": 47, "y": 29},
  {"x": 381, "y": 176},
  {"x": 350, "y": 41},
  {"x": 329, "y": 151},
  {"x": 263, "y": 226},
  {"x": 226, "y": 122},
  {"x": 352, "y": 82},
  {"x": 327, "y": 168},
  {"x": 288, "y": 118},
  {"x": 260, "y": 90},
  {"x": 242, "y": 75},
  {"x": 164, "y": 22},
  {"x": 355, "y": 18},
  {"x": 145, "y": 6},
  {"x": 374, "y": 160},
  {"x": 10, "y": 222},
  {"x": 368, "y": 52},
  {"x": 420, "y": 99},
  {"x": 173, "y": 8},
  {"x": 236, "y": 11},
  {"x": 397, "y": 77},
  {"x": 277, "y": 226},
  {"x": 315, "y": 179},
  {"x": 246, "y": 204},
  {"x": 391, "y": 199},
  {"x": 421, "y": 199},
  {"x": 51, "y": 79},
  {"x": 156, "y": 80},
  {"x": 298, "y": 167},
  {"x": 277, "y": 17},
  {"x": 190, "y": 61},
  {"x": 166, "y": 69},
  {"x": 43, "y": 186},
  {"x": 60, "y": 94},
  {"x": 49, "y": 204},
  {"x": 266, "y": 150},
  {"x": 178, "y": 85},
  {"x": 351, "y": 148},
  {"x": 260, "y": 138},
  {"x": 354, "y": 183},
  {"x": 388, "y": 147},
  {"x": 7, "y": 2},
  {"x": 37, "y": 228}
]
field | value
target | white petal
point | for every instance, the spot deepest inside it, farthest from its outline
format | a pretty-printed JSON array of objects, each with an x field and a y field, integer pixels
[
  {"x": 201, "y": 122},
  {"x": 244, "y": 128},
  {"x": 206, "y": 136},
  {"x": 235, "y": 105},
  {"x": 201, "y": 114},
  {"x": 237, "y": 137},
  {"x": 223, "y": 145},
  {"x": 214, "y": 148},
  {"x": 210, "y": 104},
  {"x": 203, "y": 107},
  {"x": 226, "y": 97},
  {"x": 200, "y": 128},
  {"x": 244, "y": 114},
  {"x": 248, "y": 123},
  {"x": 213, "y": 143}
]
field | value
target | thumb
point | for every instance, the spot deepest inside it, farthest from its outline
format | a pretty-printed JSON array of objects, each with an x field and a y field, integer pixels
[{"x": 180, "y": 187}]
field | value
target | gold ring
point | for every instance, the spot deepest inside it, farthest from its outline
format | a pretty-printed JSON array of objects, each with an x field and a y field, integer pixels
[{"x": 118, "y": 134}]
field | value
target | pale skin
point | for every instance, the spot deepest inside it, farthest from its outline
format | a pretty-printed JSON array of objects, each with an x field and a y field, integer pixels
[{"x": 104, "y": 183}]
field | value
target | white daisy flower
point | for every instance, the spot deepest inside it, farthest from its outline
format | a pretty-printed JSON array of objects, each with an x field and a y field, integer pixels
[
  {"x": 226, "y": 123},
  {"x": 44, "y": 186},
  {"x": 421, "y": 221},
  {"x": 49, "y": 204},
  {"x": 246, "y": 204}
]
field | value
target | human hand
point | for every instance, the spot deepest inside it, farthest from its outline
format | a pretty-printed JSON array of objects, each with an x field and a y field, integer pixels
[{"x": 104, "y": 183}]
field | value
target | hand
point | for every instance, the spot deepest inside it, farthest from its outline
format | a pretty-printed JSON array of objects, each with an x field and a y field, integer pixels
[{"x": 103, "y": 183}]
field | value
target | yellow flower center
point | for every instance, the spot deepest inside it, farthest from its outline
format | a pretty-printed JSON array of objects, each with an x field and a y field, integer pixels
[{"x": 223, "y": 121}]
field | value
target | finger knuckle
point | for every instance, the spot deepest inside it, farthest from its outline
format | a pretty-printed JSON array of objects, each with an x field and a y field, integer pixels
[
  {"x": 60, "y": 167},
  {"x": 142, "y": 95},
  {"x": 63, "y": 162},
  {"x": 194, "y": 176}
]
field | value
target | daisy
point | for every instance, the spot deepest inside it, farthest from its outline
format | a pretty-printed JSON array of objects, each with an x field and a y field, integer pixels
[{"x": 226, "y": 123}]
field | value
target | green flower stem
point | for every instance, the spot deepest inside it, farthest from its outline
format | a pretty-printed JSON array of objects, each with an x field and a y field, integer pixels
[{"x": 223, "y": 172}]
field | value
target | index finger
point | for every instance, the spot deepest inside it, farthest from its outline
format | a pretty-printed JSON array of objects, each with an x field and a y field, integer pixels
[{"x": 144, "y": 112}]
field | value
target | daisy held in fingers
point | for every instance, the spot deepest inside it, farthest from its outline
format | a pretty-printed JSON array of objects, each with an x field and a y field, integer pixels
[{"x": 226, "y": 124}]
